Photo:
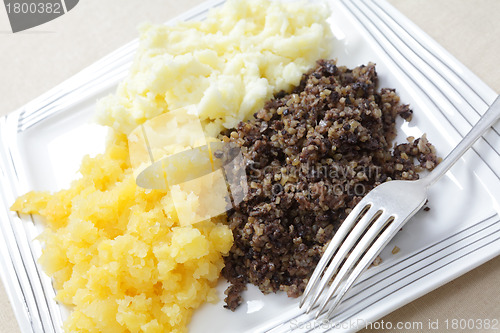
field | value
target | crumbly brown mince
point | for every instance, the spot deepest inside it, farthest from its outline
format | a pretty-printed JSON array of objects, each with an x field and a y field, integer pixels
[{"x": 311, "y": 156}]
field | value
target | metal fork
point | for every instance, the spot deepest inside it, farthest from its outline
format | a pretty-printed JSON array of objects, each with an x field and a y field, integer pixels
[{"x": 374, "y": 222}]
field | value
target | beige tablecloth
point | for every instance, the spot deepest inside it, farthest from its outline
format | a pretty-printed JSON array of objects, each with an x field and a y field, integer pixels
[{"x": 36, "y": 60}]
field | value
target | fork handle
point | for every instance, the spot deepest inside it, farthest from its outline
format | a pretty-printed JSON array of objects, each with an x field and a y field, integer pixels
[{"x": 484, "y": 123}]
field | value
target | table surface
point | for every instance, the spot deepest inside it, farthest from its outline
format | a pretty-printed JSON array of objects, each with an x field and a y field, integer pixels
[{"x": 36, "y": 60}]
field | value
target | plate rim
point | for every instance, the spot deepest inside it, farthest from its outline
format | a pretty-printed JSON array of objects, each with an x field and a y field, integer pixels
[{"x": 45, "y": 106}]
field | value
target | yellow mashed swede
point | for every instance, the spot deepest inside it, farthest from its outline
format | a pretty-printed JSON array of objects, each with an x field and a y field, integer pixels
[
  {"x": 117, "y": 253},
  {"x": 119, "y": 257}
]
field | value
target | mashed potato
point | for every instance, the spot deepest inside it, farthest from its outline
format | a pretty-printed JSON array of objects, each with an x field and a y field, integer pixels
[
  {"x": 118, "y": 254},
  {"x": 228, "y": 64}
]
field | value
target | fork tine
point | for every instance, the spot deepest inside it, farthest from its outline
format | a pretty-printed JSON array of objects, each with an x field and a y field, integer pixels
[
  {"x": 380, "y": 243},
  {"x": 344, "y": 249},
  {"x": 337, "y": 239},
  {"x": 352, "y": 259},
  {"x": 368, "y": 258}
]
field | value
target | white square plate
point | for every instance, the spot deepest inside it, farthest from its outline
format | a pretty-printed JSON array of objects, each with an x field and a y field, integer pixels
[{"x": 42, "y": 144}]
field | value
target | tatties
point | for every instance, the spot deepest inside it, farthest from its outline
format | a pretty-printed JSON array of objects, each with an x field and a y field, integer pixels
[{"x": 227, "y": 64}]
